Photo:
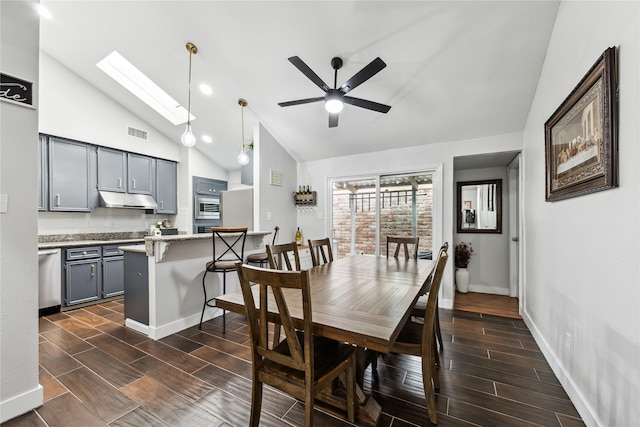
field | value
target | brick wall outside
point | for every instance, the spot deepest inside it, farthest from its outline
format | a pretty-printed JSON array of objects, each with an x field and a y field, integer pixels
[{"x": 395, "y": 218}]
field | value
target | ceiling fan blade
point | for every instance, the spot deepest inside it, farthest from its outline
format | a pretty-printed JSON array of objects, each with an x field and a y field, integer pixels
[
  {"x": 363, "y": 75},
  {"x": 369, "y": 105},
  {"x": 304, "y": 68},
  {"x": 333, "y": 120},
  {"x": 300, "y": 101}
]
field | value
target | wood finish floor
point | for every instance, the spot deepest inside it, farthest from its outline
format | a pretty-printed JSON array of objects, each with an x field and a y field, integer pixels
[
  {"x": 95, "y": 372},
  {"x": 497, "y": 305}
]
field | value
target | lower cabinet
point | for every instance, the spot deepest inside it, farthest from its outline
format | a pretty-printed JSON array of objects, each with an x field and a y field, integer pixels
[
  {"x": 83, "y": 276},
  {"x": 112, "y": 276}
]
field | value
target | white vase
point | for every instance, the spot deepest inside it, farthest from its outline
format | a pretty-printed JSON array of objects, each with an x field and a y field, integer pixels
[{"x": 462, "y": 280}]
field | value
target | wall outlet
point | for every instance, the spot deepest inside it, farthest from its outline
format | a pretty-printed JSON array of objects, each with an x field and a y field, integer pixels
[{"x": 113, "y": 225}]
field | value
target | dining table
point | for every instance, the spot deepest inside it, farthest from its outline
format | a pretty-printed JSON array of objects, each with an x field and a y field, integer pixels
[{"x": 361, "y": 299}]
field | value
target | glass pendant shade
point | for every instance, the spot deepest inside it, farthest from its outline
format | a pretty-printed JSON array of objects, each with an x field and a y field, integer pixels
[
  {"x": 334, "y": 103},
  {"x": 188, "y": 139},
  {"x": 243, "y": 158}
]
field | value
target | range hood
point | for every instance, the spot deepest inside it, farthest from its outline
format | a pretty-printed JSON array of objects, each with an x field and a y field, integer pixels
[{"x": 110, "y": 199}]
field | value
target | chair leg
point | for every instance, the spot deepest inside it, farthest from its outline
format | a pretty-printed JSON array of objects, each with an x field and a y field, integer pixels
[
  {"x": 437, "y": 329},
  {"x": 204, "y": 288},
  {"x": 351, "y": 386},
  {"x": 224, "y": 312},
  {"x": 256, "y": 403}
]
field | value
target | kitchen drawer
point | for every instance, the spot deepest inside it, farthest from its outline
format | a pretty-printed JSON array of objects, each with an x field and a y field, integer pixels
[
  {"x": 84, "y": 253},
  {"x": 111, "y": 250}
]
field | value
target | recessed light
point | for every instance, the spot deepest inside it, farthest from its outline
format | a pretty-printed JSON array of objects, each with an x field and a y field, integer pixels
[
  {"x": 125, "y": 73},
  {"x": 44, "y": 12},
  {"x": 206, "y": 89},
  {"x": 207, "y": 139}
]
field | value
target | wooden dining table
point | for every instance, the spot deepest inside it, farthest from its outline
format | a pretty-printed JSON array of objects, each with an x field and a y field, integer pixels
[{"x": 361, "y": 299}]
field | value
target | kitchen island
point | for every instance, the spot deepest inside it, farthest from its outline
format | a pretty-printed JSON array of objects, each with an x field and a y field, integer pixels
[{"x": 173, "y": 290}]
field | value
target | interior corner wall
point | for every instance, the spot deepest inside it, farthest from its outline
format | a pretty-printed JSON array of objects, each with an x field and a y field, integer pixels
[
  {"x": 19, "y": 387},
  {"x": 581, "y": 293},
  {"x": 489, "y": 267},
  {"x": 274, "y": 203}
]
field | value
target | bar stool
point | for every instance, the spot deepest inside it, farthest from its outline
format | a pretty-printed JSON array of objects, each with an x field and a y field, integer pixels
[
  {"x": 224, "y": 260},
  {"x": 262, "y": 258}
]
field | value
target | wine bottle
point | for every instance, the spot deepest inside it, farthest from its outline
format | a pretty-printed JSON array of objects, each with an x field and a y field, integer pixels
[{"x": 298, "y": 237}]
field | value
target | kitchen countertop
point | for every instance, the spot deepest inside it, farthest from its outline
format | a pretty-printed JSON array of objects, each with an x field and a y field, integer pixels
[{"x": 53, "y": 241}]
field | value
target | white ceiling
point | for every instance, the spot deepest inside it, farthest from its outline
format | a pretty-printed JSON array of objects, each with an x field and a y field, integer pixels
[{"x": 455, "y": 70}]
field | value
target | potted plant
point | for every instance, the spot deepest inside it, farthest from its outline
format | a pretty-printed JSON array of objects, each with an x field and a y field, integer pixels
[{"x": 463, "y": 253}]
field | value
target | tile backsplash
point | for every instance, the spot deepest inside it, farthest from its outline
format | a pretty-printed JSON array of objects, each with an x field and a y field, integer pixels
[{"x": 101, "y": 220}]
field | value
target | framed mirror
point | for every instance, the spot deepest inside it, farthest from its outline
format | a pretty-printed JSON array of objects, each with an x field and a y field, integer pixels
[{"x": 479, "y": 207}]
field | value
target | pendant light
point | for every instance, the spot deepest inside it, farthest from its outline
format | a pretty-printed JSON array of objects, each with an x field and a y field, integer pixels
[
  {"x": 188, "y": 139},
  {"x": 243, "y": 158}
]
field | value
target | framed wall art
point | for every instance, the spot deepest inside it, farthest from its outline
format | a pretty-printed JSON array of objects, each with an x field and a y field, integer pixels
[{"x": 581, "y": 146}]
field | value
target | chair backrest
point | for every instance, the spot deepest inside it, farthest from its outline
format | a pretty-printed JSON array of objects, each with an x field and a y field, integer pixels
[
  {"x": 276, "y": 229},
  {"x": 320, "y": 248},
  {"x": 432, "y": 304},
  {"x": 271, "y": 285},
  {"x": 443, "y": 251},
  {"x": 403, "y": 242},
  {"x": 280, "y": 257},
  {"x": 231, "y": 246}
]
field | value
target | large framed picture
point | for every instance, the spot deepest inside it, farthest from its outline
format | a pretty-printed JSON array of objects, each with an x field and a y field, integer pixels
[{"x": 581, "y": 141}]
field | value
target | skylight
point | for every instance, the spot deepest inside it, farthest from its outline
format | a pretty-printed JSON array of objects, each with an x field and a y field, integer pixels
[{"x": 125, "y": 73}]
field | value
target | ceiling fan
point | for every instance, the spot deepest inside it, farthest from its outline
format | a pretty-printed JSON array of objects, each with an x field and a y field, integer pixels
[{"x": 335, "y": 98}]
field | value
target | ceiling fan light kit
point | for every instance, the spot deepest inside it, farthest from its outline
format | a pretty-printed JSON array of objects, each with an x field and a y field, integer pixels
[
  {"x": 335, "y": 98},
  {"x": 188, "y": 139}
]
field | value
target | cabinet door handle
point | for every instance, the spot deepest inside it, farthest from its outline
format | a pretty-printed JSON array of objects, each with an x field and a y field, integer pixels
[
  {"x": 119, "y": 182},
  {"x": 93, "y": 270},
  {"x": 134, "y": 184},
  {"x": 161, "y": 204},
  {"x": 57, "y": 200}
]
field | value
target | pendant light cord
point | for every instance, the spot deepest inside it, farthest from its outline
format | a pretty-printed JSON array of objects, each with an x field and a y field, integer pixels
[{"x": 189, "y": 99}]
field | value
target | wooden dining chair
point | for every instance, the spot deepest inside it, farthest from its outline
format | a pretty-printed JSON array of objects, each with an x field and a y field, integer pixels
[
  {"x": 419, "y": 340},
  {"x": 421, "y": 304},
  {"x": 262, "y": 258},
  {"x": 279, "y": 257},
  {"x": 320, "y": 248},
  {"x": 403, "y": 242},
  {"x": 231, "y": 250},
  {"x": 303, "y": 365}
]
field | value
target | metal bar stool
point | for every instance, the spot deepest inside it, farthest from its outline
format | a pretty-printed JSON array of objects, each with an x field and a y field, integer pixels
[
  {"x": 224, "y": 260},
  {"x": 262, "y": 258}
]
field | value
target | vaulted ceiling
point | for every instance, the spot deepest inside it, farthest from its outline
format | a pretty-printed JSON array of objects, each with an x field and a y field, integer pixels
[{"x": 455, "y": 70}]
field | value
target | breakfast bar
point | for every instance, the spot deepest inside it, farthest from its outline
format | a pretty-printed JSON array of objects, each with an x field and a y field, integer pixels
[{"x": 163, "y": 281}]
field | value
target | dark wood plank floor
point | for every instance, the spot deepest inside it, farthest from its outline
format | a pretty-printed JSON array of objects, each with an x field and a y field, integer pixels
[
  {"x": 95, "y": 372},
  {"x": 476, "y": 302}
]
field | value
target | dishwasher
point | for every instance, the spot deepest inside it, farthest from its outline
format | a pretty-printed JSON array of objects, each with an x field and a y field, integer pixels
[{"x": 49, "y": 280}]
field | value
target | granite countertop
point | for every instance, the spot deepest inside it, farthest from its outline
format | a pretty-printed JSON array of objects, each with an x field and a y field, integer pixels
[{"x": 53, "y": 241}]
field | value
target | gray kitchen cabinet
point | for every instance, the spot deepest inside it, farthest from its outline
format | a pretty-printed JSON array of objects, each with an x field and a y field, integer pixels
[
  {"x": 83, "y": 274},
  {"x": 208, "y": 186},
  {"x": 136, "y": 282},
  {"x": 112, "y": 170},
  {"x": 42, "y": 173},
  {"x": 166, "y": 187},
  {"x": 112, "y": 276},
  {"x": 141, "y": 171},
  {"x": 69, "y": 175}
]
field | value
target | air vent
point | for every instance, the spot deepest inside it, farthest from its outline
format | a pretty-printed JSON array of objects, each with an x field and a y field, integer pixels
[{"x": 137, "y": 133}]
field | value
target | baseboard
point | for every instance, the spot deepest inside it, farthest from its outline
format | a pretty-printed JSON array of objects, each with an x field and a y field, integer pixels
[
  {"x": 488, "y": 289},
  {"x": 585, "y": 411},
  {"x": 21, "y": 404},
  {"x": 159, "y": 332}
]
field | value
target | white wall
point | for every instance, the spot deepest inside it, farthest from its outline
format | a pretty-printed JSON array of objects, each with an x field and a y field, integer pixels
[
  {"x": 582, "y": 254},
  {"x": 19, "y": 387},
  {"x": 274, "y": 202},
  {"x": 87, "y": 114},
  {"x": 437, "y": 157},
  {"x": 489, "y": 267}
]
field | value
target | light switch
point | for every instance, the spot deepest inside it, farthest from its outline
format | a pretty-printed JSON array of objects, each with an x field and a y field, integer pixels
[
  {"x": 269, "y": 216},
  {"x": 4, "y": 203}
]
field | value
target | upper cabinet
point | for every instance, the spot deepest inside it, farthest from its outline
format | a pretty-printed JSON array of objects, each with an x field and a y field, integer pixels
[
  {"x": 42, "y": 173},
  {"x": 69, "y": 175},
  {"x": 208, "y": 186},
  {"x": 141, "y": 173},
  {"x": 166, "y": 187},
  {"x": 112, "y": 170}
]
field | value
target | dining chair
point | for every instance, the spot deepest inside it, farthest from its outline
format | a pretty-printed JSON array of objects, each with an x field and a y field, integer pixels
[
  {"x": 403, "y": 242},
  {"x": 320, "y": 248},
  {"x": 262, "y": 258},
  {"x": 303, "y": 365},
  {"x": 419, "y": 340},
  {"x": 279, "y": 257},
  {"x": 421, "y": 304},
  {"x": 230, "y": 242}
]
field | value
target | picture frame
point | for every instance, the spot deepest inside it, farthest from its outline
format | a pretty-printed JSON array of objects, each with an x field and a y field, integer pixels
[
  {"x": 581, "y": 139},
  {"x": 467, "y": 205}
]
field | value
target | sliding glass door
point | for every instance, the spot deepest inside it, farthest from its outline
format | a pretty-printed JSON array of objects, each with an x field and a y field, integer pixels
[{"x": 367, "y": 209}]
